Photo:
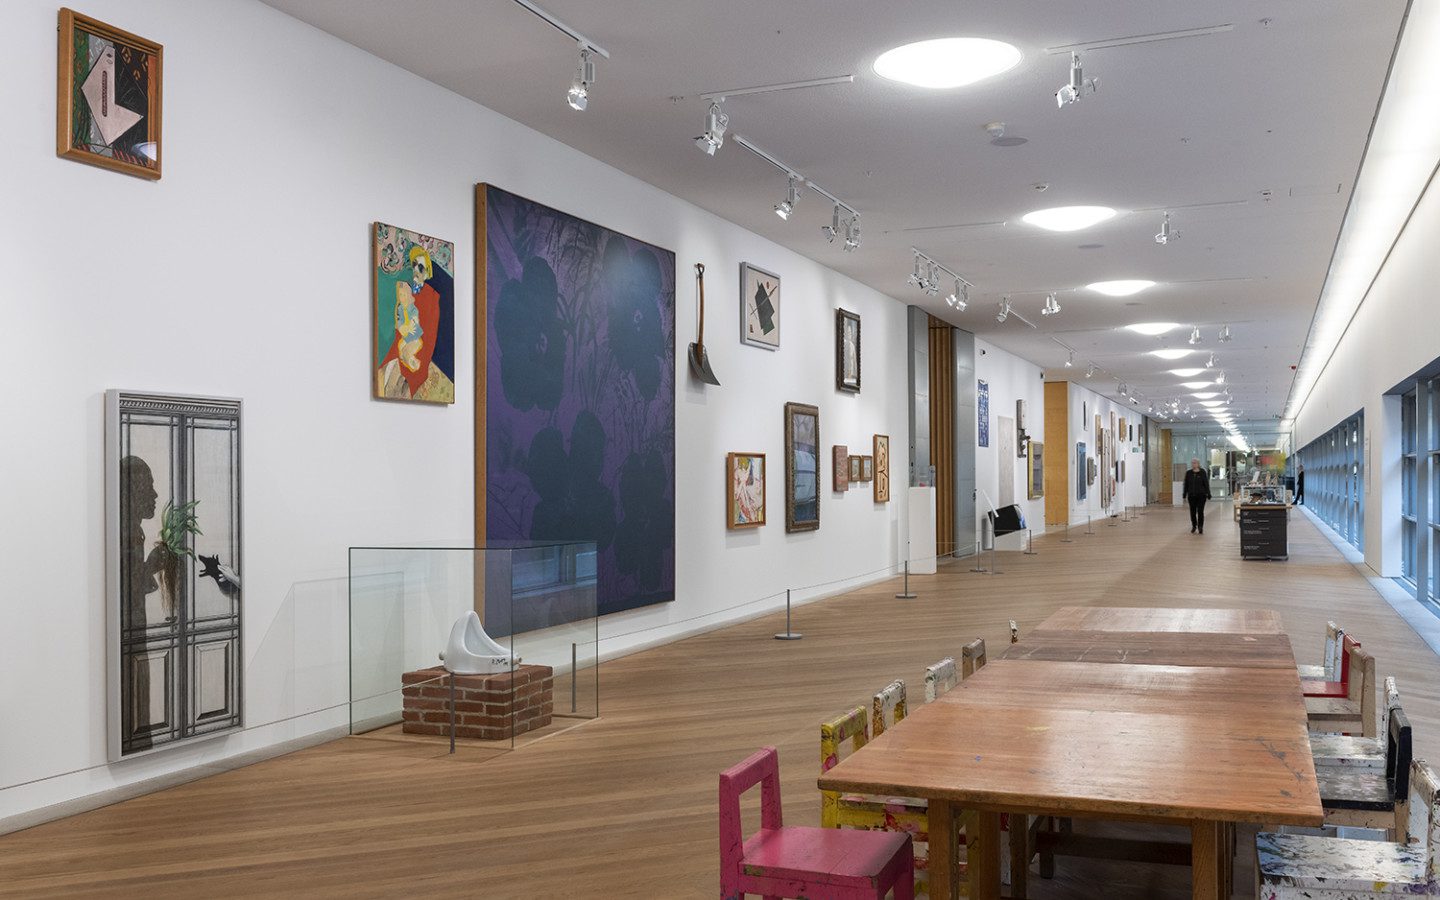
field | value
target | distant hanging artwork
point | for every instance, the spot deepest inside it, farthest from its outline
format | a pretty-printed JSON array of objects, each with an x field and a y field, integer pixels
[{"x": 759, "y": 307}]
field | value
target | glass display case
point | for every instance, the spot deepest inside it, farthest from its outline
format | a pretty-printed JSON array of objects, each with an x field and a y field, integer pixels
[{"x": 527, "y": 661}]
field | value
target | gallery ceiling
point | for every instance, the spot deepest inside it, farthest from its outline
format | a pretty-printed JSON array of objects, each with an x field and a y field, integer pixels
[{"x": 1250, "y": 135}]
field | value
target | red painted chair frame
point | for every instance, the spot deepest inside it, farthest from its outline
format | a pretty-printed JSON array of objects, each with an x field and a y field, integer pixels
[
  {"x": 798, "y": 861},
  {"x": 1312, "y": 687}
]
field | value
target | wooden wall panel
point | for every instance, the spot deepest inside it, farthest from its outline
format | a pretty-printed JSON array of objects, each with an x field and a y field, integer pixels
[
  {"x": 942, "y": 432},
  {"x": 1058, "y": 453}
]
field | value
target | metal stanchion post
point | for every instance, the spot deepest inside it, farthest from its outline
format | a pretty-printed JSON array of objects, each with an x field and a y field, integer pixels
[
  {"x": 994, "y": 565},
  {"x": 906, "y": 595},
  {"x": 978, "y": 550},
  {"x": 788, "y": 634},
  {"x": 1066, "y": 539},
  {"x": 1030, "y": 542},
  {"x": 574, "y": 675},
  {"x": 1088, "y": 528}
]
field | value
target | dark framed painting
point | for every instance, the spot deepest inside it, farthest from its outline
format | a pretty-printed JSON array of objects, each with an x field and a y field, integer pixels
[
  {"x": 847, "y": 351},
  {"x": 840, "y": 468},
  {"x": 173, "y": 570},
  {"x": 882, "y": 468},
  {"x": 802, "y": 467},
  {"x": 759, "y": 307},
  {"x": 1082, "y": 470},
  {"x": 745, "y": 490},
  {"x": 109, "y": 97},
  {"x": 412, "y": 299},
  {"x": 575, "y": 407},
  {"x": 1036, "y": 480}
]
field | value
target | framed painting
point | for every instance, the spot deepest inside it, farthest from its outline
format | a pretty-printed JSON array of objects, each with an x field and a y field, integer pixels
[
  {"x": 847, "y": 351},
  {"x": 412, "y": 302},
  {"x": 867, "y": 468},
  {"x": 759, "y": 307},
  {"x": 982, "y": 411},
  {"x": 802, "y": 467},
  {"x": 840, "y": 468},
  {"x": 575, "y": 409},
  {"x": 745, "y": 490},
  {"x": 109, "y": 96},
  {"x": 1036, "y": 482},
  {"x": 854, "y": 462},
  {"x": 882, "y": 468},
  {"x": 173, "y": 567},
  {"x": 1082, "y": 469}
]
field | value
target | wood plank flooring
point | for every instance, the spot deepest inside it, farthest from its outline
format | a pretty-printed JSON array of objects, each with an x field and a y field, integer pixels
[{"x": 625, "y": 806}]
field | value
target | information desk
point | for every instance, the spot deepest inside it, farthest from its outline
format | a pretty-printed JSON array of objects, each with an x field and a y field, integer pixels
[{"x": 1264, "y": 531}]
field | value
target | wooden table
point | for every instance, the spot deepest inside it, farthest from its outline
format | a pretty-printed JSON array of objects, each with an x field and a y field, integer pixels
[
  {"x": 1201, "y": 746},
  {"x": 1189, "y": 621}
]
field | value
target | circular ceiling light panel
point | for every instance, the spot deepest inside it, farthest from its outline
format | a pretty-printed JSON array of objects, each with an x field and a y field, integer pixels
[
  {"x": 1152, "y": 329},
  {"x": 1205, "y": 395},
  {"x": 1195, "y": 385},
  {"x": 1121, "y": 288},
  {"x": 1069, "y": 218},
  {"x": 1171, "y": 353},
  {"x": 1212, "y": 403},
  {"x": 947, "y": 62},
  {"x": 1186, "y": 373}
]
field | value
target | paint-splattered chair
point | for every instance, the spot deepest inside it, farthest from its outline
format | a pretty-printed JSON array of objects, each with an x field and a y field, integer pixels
[
  {"x": 1330, "y": 658},
  {"x": 1310, "y": 867},
  {"x": 1354, "y": 751},
  {"x": 798, "y": 861},
  {"x": 1368, "y": 798},
  {"x": 887, "y": 707},
  {"x": 1337, "y": 683},
  {"x": 1355, "y": 713},
  {"x": 940, "y": 678},
  {"x": 1014, "y": 632},
  {"x": 972, "y": 658}
]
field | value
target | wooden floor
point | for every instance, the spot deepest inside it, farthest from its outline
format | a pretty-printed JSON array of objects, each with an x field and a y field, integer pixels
[{"x": 625, "y": 806}]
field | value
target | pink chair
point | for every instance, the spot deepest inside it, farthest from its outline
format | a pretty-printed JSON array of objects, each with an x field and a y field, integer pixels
[{"x": 798, "y": 861}]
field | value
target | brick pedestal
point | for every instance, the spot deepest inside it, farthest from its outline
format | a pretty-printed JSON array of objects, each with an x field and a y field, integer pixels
[{"x": 487, "y": 707}]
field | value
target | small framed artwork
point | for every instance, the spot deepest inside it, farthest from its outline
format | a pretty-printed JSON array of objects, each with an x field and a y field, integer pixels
[
  {"x": 847, "y": 351},
  {"x": 840, "y": 468},
  {"x": 109, "y": 97},
  {"x": 882, "y": 468},
  {"x": 855, "y": 470},
  {"x": 744, "y": 490},
  {"x": 867, "y": 468},
  {"x": 759, "y": 307},
  {"x": 413, "y": 309},
  {"x": 802, "y": 467},
  {"x": 1036, "y": 481}
]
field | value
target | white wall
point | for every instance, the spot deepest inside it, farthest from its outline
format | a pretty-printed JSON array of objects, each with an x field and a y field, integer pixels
[
  {"x": 1085, "y": 404},
  {"x": 1395, "y": 333},
  {"x": 1011, "y": 378},
  {"x": 244, "y": 272}
]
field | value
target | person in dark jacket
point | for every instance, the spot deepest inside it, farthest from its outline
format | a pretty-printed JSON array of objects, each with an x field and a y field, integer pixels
[
  {"x": 1300, "y": 486},
  {"x": 1197, "y": 491}
]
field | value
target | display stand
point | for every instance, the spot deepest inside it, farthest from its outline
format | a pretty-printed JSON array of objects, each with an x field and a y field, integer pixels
[{"x": 1264, "y": 531}]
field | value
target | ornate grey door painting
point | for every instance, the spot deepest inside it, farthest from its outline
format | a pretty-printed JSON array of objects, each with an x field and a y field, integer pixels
[
  {"x": 1006, "y": 496},
  {"x": 173, "y": 570}
]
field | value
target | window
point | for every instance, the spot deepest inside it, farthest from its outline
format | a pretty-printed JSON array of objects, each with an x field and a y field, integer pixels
[
  {"x": 1420, "y": 489},
  {"x": 1334, "y": 478}
]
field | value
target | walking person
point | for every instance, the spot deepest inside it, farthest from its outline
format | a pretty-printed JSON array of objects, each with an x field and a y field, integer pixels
[
  {"x": 1300, "y": 486},
  {"x": 1197, "y": 491}
]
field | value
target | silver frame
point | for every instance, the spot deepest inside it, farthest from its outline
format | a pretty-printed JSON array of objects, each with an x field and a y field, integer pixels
[{"x": 744, "y": 334}]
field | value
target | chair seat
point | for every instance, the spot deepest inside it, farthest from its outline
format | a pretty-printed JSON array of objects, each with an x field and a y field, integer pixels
[
  {"x": 1323, "y": 709},
  {"x": 1340, "y": 864},
  {"x": 839, "y": 857},
  {"x": 1319, "y": 687},
  {"x": 873, "y": 803},
  {"x": 1347, "y": 751},
  {"x": 1311, "y": 671},
  {"x": 1342, "y": 788}
]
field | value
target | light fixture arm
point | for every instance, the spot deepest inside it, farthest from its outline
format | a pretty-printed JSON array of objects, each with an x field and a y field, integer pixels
[{"x": 550, "y": 18}]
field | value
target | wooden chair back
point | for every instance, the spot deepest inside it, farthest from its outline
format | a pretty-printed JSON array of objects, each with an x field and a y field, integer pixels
[
  {"x": 1398, "y": 755},
  {"x": 940, "y": 678},
  {"x": 887, "y": 707},
  {"x": 1014, "y": 632},
  {"x": 762, "y": 768},
  {"x": 1392, "y": 701},
  {"x": 1331, "y": 656},
  {"x": 1362, "y": 688},
  {"x": 1421, "y": 823},
  {"x": 853, "y": 727},
  {"x": 972, "y": 658}
]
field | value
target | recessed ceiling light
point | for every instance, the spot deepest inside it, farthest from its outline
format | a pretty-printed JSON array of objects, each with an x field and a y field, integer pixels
[
  {"x": 1121, "y": 288},
  {"x": 1152, "y": 328},
  {"x": 1069, "y": 218},
  {"x": 1171, "y": 353},
  {"x": 1195, "y": 385},
  {"x": 1206, "y": 396},
  {"x": 1212, "y": 403},
  {"x": 1186, "y": 373},
  {"x": 947, "y": 62}
]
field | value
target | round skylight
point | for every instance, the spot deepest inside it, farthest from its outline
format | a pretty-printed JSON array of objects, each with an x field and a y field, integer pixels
[
  {"x": 1186, "y": 373},
  {"x": 1205, "y": 395},
  {"x": 1122, "y": 288},
  {"x": 1171, "y": 353},
  {"x": 1069, "y": 218},
  {"x": 1152, "y": 328},
  {"x": 1195, "y": 385},
  {"x": 947, "y": 62}
]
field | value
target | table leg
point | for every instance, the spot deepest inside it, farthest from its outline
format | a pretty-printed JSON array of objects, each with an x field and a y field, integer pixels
[
  {"x": 1207, "y": 844},
  {"x": 1019, "y": 855},
  {"x": 943, "y": 845},
  {"x": 983, "y": 854}
]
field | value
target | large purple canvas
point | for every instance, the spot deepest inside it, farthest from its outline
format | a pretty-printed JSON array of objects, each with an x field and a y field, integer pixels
[{"x": 580, "y": 395}]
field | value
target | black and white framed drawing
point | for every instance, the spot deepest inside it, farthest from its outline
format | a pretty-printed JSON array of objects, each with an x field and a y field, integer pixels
[
  {"x": 759, "y": 307},
  {"x": 173, "y": 569}
]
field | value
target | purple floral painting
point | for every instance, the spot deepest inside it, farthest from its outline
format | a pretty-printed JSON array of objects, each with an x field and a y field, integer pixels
[{"x": 580, "y": 394}]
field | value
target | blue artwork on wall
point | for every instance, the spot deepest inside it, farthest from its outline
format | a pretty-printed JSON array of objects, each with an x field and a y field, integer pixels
[{"x": 982, "y": 406}]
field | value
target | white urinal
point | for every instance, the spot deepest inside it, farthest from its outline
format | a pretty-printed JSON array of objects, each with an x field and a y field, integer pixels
[{"x": 471, "y": 651}]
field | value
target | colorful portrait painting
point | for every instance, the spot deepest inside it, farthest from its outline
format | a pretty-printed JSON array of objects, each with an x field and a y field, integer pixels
[
  {"x": 578, "y": 404},
  {"x": 745, "y": 495},
  {"x": 414, "y": 312},
  {"x": 759, "y": 307},
  {"x": 802, "y": 467},
  {"x": 109, "y": 97}
]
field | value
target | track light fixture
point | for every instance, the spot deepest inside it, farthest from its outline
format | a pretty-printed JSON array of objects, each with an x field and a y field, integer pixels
[
  {"x": 852, "y": 233},
  {"x": 929, "y": 276},
  {"x": 959, "y": 298},
  {"x": 1078, "y": 85},
  {"x": 1070, "y": 360},
  {"x": 833, "y": 229},
  {"x": 916, "y": 278},
  {"x": 1090, "y": 372},
  {"x": 1220, "y": 379},
  {"x": 1210, "y": 363},
  {"x": 1124, "y": 389},
  {"x": 1224, "y": 334},
  {"x": 1195, "y": 336},
  {"x": 579, "y": 94},
  {"x": 785, "y": 207},
  {"x": 715, "y": 124},
  {"x": 1004, "y": 312},
  {"x": 1167, "y": 234},
  {"x": 1052, "y": 305},
  {"x": 1151, "y": 409}
]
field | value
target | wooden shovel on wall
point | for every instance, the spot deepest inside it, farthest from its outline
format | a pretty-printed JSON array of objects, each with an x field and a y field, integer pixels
[{"x": 699, "y": 361}]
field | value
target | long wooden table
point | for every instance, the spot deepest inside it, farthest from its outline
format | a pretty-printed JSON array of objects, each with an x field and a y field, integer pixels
[{"x": 1204, "y": 746}]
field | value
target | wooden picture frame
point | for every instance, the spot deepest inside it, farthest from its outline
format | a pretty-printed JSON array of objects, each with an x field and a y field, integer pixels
[
  {"x": 854, "y": 462},
  {"x": 744, "y": 490},
  {"x": 840, "y": 468},
  {"x": 882, "y": 468},
  {"x": 847, "y": 351},
  {"x": 95, "y": 119},
  {"x": 867, "y": 468},
  {"x": 802, "y": 467},
  {"x": 759, "y": 307}
]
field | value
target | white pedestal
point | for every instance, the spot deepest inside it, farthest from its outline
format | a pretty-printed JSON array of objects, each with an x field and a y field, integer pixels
[
  {"x": 922, "y": 531},
  {"x": 1177, "y": 491}
]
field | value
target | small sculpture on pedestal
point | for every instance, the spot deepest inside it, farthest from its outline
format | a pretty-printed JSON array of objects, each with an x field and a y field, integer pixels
[{"x": 470, "y": 651}]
